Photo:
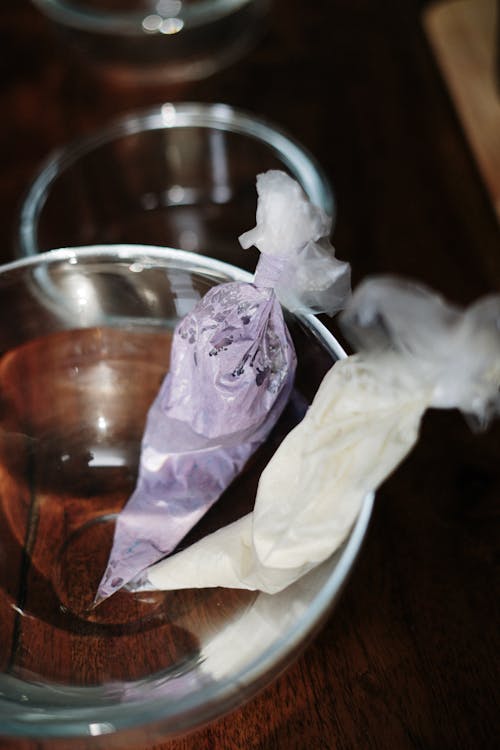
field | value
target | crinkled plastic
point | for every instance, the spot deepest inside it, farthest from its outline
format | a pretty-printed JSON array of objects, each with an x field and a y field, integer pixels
[
  {"x": 312, "y": 280},
  {"x": 415, "y": 352},
  {"x": 231, "y": 373}
]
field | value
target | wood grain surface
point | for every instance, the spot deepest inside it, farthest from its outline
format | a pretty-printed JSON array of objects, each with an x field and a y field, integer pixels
[
  {"x": 464, "y": 36},
  {"x": 410, "y": 656}
]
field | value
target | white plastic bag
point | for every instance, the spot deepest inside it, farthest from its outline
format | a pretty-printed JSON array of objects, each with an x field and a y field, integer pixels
[{"x": 415, "y": 352}]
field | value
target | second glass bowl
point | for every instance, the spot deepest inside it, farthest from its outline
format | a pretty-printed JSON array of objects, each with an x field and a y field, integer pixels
[{"x": 181, "y": 175}]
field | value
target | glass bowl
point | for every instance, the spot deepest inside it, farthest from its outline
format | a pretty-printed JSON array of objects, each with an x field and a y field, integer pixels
[
  {"x": 77, "y": 374},
  {"x": 157, "y": 41},
  {"x": 178, "y": 175}
]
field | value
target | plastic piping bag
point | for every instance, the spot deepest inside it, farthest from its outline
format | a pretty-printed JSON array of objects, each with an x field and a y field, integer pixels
[
  {"x": 415, "y": 352},
  {"x": 231, "y": 373}
]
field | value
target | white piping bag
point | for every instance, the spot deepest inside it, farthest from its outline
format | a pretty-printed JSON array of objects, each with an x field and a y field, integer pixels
[{"x": 415, "y": 352}]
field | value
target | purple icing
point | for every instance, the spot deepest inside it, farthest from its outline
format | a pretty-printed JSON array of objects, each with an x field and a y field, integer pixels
[{"x": 231, "y": 373}]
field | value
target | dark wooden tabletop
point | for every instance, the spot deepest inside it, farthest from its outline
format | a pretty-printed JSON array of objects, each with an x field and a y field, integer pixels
[{"x": 410, "y": 656}]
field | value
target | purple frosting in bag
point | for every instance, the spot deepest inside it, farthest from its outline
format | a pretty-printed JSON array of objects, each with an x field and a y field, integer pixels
[{"x": 231, "y": 373}]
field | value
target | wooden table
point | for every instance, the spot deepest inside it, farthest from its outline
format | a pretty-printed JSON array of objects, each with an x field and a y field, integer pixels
[{"x": 409, "y": 658}]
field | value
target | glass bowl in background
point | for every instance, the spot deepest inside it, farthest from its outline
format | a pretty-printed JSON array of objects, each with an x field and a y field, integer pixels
[
  {"x": 181, "y": 175},
  {"x": 154, "y": 41},
  {"x": 77, "y": 374}
]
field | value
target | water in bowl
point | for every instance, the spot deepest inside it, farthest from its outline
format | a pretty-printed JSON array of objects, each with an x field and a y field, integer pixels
[{"x": 73, "y": 408}]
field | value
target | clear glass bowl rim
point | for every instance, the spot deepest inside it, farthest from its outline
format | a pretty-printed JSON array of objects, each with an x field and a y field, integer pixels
[
  {"x": 229, "y": 693},
  {"x": 116, "y": 23},
  {"x": 222, "y": 117}
]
